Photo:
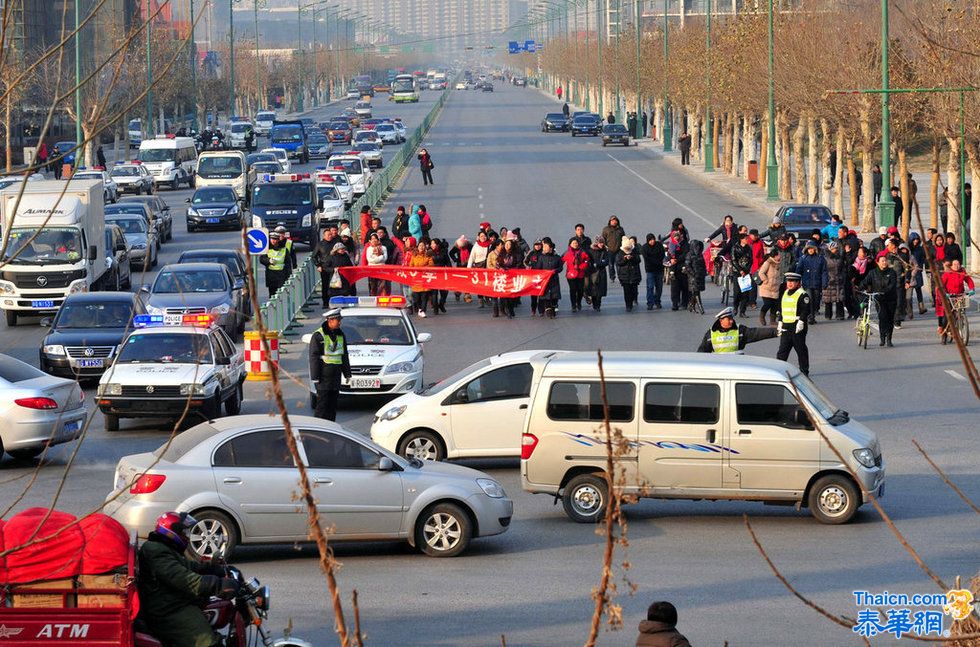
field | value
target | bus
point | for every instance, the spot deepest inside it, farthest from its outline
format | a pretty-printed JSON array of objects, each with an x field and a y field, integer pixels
[{"x": 404, "y": 89}]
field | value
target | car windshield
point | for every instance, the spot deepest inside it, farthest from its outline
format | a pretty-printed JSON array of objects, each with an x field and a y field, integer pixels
[
  {"x": 267, "y": 167},
  {"x": 365, "y": 135},
  {"x": 265, "y": 116},
  {"x": 317, "y": 140},
  {"x": 129, "y": 225},
  {"x": 338, "y": 125},
  {"x": 214, "y": 167},
  {"x": 240, "y": 128},
  {"x": 351, "y": 167},
  {"x": 208, "y": 257},
  {"x": 127, "y": 207},
  {"x": 555, "y": 115},
  {"x": 367, "y": 147},
  {"x": 407, "y": 85},
  {"x": 166, "y": 348},
  {"x": 794, "y": 215},
  {"x": 48, "y": 246},
  {"x": 287, "y": 134},
  {"x": 215, "y": 194},
  {"x": 362, "y": 105},
  {"x": 377, "y": 330},
  {"x": 125, "y": 171},
  {"x": 261, "y": 157},
  {"x": 187, "y": 281},
  {"x": 327, "y": 193},
  {"x": 339, "y": 179},
  {"x": 385, "y": 128},
  {"x": 441, "y": 385},
  {"x": 158, "y": 155},
  {"x": 94, "y": 315},
  {"x": 280, "y": 155},
  {"x": 615, "y": 129},
  {"x": 275, "y": 195},
  {"x": 585, "y": 120},
  {"x": 814, "y": 396}
]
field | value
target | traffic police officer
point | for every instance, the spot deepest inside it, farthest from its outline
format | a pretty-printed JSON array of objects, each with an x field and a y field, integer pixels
[
  {"x": 281, "y": 230},
  {"x": 328, "y": 361},
  {"x": 278, "y": 264},
  {"x": 725, "y": 336},
  {"x": 792, "y": 325}
]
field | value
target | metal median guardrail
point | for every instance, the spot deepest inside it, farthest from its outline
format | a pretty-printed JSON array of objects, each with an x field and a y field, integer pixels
[{"x": 280, "y": 311}]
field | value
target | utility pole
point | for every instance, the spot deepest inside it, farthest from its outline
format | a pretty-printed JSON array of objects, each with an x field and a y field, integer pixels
[
  {"x": 772, "y": 169},
  {"x": 192, "y": 58},
  {"x": 886, "y": 208},
  {"x": 709, "y": 165},
  {"x": 668, "y": 132},
  {"x": 78, "y": 96},
  {"x": 599, "y": 23},
  {"x": 231, "y": 59},
  {"x": 639, "y": 101},
  {"x": 150, "y": 130},
  {"x": 588, "y": 81},
  {"x": 299, "y": 63}
]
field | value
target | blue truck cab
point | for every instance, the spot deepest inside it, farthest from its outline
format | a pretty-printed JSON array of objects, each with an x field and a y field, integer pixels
[
  {"x": 290, "y": 200},
  {"x": 290, "y": 135}
]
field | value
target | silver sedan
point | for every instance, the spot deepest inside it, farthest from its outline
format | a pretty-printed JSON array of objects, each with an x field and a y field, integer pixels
[
  {"x": 237, "y": 477},
  {"x": 38, "y": 409}
]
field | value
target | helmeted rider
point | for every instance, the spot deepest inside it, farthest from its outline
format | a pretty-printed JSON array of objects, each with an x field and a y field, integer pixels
[
  {"x": 173, "y": 587},
  {"x": 725, "y": 336}
]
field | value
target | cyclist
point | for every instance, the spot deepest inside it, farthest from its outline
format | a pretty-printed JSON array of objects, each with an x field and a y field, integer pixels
[
  {"x": 728, "y": 230},
  {"x": 883, "y": 279},
  {"x": 955, "y": 282},
  {"x": 725, "y": 336}
]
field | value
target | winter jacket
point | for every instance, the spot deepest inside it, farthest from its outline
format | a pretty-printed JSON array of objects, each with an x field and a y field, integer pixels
[
  {"x": 532, "y": 257},
  {"x": 746, "y": 335},
  {"x": 421, "y": 260},
  {"x": 659, "y": 634},
  {"x": 836, "y": 274},
  {"x": 441, "y": 258},
  {"x": 813, "y": 269},
  {"x": 770, "y": 279},
  {"x": 787, "y": 259},
  {"x": 169, "y": 581},
  {"x": 320, "y": 371},
  {"x": 492, "y": 259},
  {"x": 758, "y": 254},
  {"x": 628, "y": 266},
  {"x": 883, "y": 281},
  {"x": 741, "y": 259},
  {"x": 478, "y": 255},
  {"x": 415, "y": 226},
  {"x": 596, "y": 282},
  {"x": 613, "y": 237},
  {"x": 694, "y": 266},
  {"x": 321, "y": 253},
  {"x": 328, "y": 268},
  {"x": 876, "y": 245},
  {"x": 576, "y": 263},
  {"x": 376, "y": 256},
  {"x": 553, "y": 262},
  {"x": 399, "y": 227},
  {"x": 677, "y": 250},
  {"x": 918, "y": 258},
  {"x": 653, "y": 255},
  {"x": 726, "y": 232},
  {"x": 460, "y": 255},
  {"x": 955, "y": 283},
  {"x": 953, "y": 252}
]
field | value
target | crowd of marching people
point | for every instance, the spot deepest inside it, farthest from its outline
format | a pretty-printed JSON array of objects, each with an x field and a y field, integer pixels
[{"x": 836, "y": 267}]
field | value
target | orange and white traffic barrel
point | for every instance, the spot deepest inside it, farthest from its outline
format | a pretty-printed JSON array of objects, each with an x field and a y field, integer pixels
[{"x": 258, "y": 365}]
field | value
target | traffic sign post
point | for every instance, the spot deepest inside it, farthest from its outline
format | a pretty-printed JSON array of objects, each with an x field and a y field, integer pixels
[{"x": 257, "y": 239}]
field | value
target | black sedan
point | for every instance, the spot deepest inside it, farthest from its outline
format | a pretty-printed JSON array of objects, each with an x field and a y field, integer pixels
[
  {"x": 615, "y": 134},
  {"x": 587, "y": 125},
  {"x": 555, "y": 121},
  {"x": 86, "y": 331},
  {"x": 214, "y": 207},
  {"x": 802, "y": 219}
]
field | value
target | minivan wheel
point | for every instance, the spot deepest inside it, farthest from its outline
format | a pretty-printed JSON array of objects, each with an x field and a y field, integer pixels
[
  {"x": 423, "y": 445},
  {"x": 443, "y": 531},
  {"x": 213, "y": 536},
  {"x": 834, "y": 499},
  {"x": 585, "y": 498}
]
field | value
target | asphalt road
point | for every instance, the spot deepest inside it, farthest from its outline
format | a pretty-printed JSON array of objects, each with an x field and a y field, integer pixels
[{"x": 533, "y": 583}]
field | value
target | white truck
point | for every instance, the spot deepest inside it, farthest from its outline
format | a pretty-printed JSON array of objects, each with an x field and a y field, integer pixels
[{"x": 55, "y": 245}]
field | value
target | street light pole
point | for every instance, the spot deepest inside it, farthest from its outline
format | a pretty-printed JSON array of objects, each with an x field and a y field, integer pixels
[
  {"x": 588, "y": 37},
  {"x": 598, "y": 30},
  {"x": 150, "y": 130},
  {"x": 316, "y": 72},
  {"x": 772, "y": 169},
  {"x": 886, "y": 208},
  {"x": 709, "y": 165},
  {"x": 192, "y": 58},
  {"x": 668, "y": 131},
  {"x": 639, "y": 109},
  {"x": 78, "y": 96},
  {"x": 231, "y": 59}
]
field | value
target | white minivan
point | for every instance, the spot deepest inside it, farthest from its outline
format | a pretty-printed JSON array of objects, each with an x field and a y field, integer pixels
[
  {"x": 170, "y": 160},
  {"x": 475, "y": 413},
  {"x": 225, "y": 168},
  {"x": 263, "y": 122},
  {"x": 695, "y": 426}
]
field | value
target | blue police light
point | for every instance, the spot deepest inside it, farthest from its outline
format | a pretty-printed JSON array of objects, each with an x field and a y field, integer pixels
[
  {"x": 267, "y": 178},
  {"x": 321, "y": 168},
  {"x": 340, "y": 302},
  {"x": 147, "y": 321}
]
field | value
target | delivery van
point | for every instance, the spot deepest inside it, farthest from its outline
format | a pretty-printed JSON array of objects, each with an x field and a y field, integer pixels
[{"x": 695, "y": 426}]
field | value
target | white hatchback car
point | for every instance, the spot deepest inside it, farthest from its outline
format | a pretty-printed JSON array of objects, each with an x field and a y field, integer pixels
[{"x": 475, "y": 413}]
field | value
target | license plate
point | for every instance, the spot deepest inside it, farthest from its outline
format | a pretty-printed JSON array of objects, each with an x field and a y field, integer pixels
[
  {"x": 91, "y": 363},
  {"x": 42, "y": 303},
  {"x": 365, "y": 383},
  {"x": 211, "y": 221},
  {"x": 72, "y": 427}
]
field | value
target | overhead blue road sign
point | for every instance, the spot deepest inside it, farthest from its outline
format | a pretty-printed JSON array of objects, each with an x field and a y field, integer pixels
[
  {"x": 530, "y": 46},
  {"x": 513, "y": 47}
]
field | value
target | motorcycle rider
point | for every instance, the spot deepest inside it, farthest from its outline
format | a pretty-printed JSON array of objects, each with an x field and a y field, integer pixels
[
  {"x": 725, "y": 336},
  {"x": 172, "y": 587}
]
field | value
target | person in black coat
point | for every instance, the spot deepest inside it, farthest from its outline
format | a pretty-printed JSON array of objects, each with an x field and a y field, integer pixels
[
  {"x": 329, "y": 361},
  {"x": 100, "y": 157},
  {"x": 628, "y": 264},
  {"x": 426, "y": 166},
  {"x": 549, "y": 260},
  {"x": 684, "y": 143},
  {"x": 530, "y": 260},
  {"x": 882, "y": 278},
  {"x": 653, "y": 265},
  {"x": 595, "y": 281}
]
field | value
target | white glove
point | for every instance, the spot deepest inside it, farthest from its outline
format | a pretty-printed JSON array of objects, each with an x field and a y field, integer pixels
[
  {"x": 779, "y": 329},
  {"x": 799, "y": 325}
]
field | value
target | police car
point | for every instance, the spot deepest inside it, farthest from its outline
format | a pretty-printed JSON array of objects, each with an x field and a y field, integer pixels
[
  {"x": 384, "y": 348},
  {"x": 132, "y": 177},
  {"x": 333, "y": 205},
  {"x": 169, "y": 364},
  {"x": 339, "y": 179},
  {"x": 356, "y": 167}
]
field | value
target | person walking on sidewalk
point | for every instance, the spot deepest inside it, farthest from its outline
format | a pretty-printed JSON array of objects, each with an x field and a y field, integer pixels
[
  {"x": 426, "y": 166},
  {"x": 613, "y": 234},
  {"x": 684, "y": 142},
  {"x": 565, "y": 110},
  {"x": 643, "y": 122},
  {"x": 558, "y": 91},
  {"x": 631, "y": 124}
]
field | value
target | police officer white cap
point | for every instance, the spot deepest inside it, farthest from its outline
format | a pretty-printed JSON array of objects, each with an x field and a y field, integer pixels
[
  {"x": 332, "y": 314},
  {"x": 727, "y": 312}
]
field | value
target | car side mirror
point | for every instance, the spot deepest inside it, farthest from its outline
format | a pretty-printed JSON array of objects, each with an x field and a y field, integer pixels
[
  {"x": 46, "y": 322},
  {"x": 145, "y": 288},
  {"x": 386, "y": 464},
  {"x": 239, "y": 284},
  {"x": 424, "y": 337},
  {"x": 93, "y": 253},
  {"x": 121, "y": 247},
  {"x": 187, "y": 200}
]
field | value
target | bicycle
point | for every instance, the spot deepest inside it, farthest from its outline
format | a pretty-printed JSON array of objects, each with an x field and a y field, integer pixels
[
  {"x": 956, "y": 318},
  {"x": 727, "y": 283},
  {"x": 868, "y": 318},
  {"x": 694, "y": 303}
]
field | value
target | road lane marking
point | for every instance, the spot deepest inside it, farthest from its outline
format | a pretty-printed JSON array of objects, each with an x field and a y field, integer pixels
[
  {"x": 955, "y": 375},
  {"x": 666, "y": 195}
]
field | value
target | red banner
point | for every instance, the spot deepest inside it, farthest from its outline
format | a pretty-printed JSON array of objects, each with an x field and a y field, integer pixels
[{"x": 488, "y": 283}]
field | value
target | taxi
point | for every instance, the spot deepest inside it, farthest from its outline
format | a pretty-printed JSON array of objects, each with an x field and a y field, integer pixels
[
  {"x": 384, "y": 348},
  {"x": 170, "y": 364},
  {"x": 339, "y": 179},
  {"x": 132, "y": 177}
]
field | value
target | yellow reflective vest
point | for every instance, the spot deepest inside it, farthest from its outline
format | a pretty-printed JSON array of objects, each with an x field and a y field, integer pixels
[
  {"x": 725, "y": 341},
  {"x": 788, "y": 306}
]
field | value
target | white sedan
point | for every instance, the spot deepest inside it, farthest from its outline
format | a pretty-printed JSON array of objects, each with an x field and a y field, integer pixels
[{"x": 477, "y": 412}]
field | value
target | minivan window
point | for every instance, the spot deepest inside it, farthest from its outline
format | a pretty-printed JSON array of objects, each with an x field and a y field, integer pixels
[
  {"x": 681, "y": 402},
  {"x": 766, "y": 404},
  {"x": 500, "y": 384},
  {"x": 583, "y": 401}
]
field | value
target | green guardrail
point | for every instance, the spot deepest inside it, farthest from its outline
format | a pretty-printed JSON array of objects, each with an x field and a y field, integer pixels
[{"x": 280, "y": 312}]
